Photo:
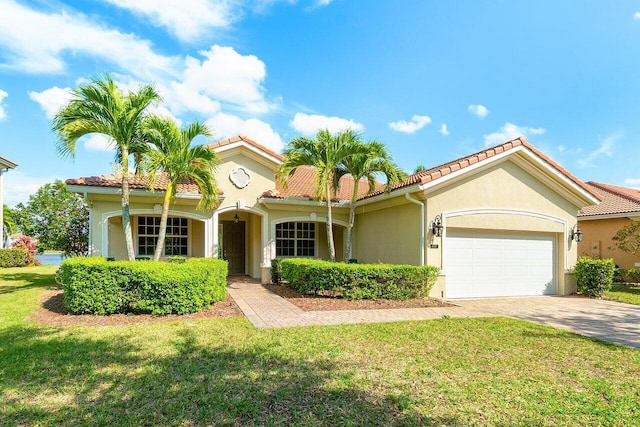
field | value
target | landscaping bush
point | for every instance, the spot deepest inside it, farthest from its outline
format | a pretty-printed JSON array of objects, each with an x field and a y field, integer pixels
[
  {"x": 96, "y": 286},
  {"x": 359, "y": 281},
  {"x": 633, "y": 275},
  {"x": 12, "y": 258},
  {"x": 594, "y": 276},
  {"x": 276, "y": 271}
]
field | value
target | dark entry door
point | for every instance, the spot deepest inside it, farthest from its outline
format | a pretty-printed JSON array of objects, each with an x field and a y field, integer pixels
[{"x": 233, "y": 246}]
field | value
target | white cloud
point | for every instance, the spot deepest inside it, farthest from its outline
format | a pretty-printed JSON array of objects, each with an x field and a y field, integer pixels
[
  {"x": 226, "y": 76},
  {"x": 444, "y": 130},
  {"x": 97, "y": 142},
  {"x": 605, "y": 149},
  {"x": 416, "y": 123},
  {"x": 636, "y": 16},
  {"x": 310, "y": 124},
  {"x": 52, "y": 100},
  {"x": 510, "y": 131},
  {"x": 3, "y": 95},
  {"x": 188, "y": 20},
  {"x": 17, "y": 187},
  {"x": 35, "y": 42},
  {"x": 226, "y": 126},
  {"x": 632, "y": 181},
  {"x": 478, "y": 110}
]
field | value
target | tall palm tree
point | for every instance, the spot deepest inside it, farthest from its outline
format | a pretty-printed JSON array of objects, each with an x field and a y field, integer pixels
[
  {"x": 101, "y": 107},
  {"x": 368, "y": 160},
  {"x": 173, "y": 155},
  {"x": 8, "y": 222},
  {"x": 325, "y": 153}
]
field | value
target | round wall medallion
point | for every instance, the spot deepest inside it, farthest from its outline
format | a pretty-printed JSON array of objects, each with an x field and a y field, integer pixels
[{"x": 240, "y": 177}]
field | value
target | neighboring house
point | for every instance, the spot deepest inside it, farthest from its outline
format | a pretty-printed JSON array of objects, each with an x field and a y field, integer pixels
[
  {"x": 619, "y": 206},
  {"x": 5, "y": 165},
  {"x": 496, "y": 222}
]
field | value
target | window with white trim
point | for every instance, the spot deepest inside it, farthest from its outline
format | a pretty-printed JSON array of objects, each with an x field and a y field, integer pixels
[
  {"x": 176, "y": 241},
  {"x": 296, "y": 239}
]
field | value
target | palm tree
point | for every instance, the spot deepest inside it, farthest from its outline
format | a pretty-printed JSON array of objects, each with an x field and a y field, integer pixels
[
  {"x": 325, "y": 153},
  {"x": 8, "y": 223},
  {"x": 173, "y": 155},
  {"x": 369, "y": 159},
  {"x": 101, "y": 107}
]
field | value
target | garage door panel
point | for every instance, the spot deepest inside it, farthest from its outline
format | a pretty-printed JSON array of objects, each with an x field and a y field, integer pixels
[{"x": 485, "y": 265}]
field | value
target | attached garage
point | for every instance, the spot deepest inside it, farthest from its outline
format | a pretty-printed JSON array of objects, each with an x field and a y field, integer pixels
[{"x": 480, "y": 264}]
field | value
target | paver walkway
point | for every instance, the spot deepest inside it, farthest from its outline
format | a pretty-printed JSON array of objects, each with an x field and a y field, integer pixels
[{"x": 606, "y": 320}]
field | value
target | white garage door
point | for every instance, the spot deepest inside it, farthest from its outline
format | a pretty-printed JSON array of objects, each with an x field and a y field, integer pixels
[{"x": 495, "y": 265}]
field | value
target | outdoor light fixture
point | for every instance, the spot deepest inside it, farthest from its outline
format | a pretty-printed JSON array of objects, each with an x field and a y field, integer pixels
[
  {"x": 576, "y": 233},
  {"x": 436, "y": 226},
  {"x": 236, "y": 218}
]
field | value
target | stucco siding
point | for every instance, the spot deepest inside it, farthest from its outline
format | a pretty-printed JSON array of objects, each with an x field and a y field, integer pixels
[
  {"x": 389, "y": 235},
  {"x": 597, "y": 241}
]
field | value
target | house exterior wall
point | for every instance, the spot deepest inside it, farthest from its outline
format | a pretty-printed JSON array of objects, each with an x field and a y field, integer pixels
[
  {"x": 597, "y": 240},
  {"x": 505, "y": 198},
  {"x": 388, "y": 234}
]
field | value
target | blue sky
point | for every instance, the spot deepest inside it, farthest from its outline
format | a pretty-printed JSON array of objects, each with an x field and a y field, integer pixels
[{"x": 434, "y": 80}]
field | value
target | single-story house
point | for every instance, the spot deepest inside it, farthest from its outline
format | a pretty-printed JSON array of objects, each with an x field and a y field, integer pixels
[
  {"x": 5, "y": 165},
  {"x": 497, "y": 222},
  {"x": 619, "y": 206}
]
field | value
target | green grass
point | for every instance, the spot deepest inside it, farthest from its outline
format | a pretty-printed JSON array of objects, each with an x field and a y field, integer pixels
[
  {"x": 454, "y": 372},
  {"x": 624, "y": 292}
]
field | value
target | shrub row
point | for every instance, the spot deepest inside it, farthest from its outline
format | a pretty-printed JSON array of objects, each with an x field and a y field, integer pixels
[
  {"x": 13, "y": 258},
  {"x": 94, "y": 285},
  {"x": 359, "y": 281},
  {"x": 594, "y": 276},
  {"x": 631, "y": 275}
]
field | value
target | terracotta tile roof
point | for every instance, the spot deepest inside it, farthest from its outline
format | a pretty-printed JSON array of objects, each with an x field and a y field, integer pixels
[
  {"x": 135, "y": 183},
  {"x": 615, "y": 200},
  {"x": 302, "y": 183},
  {"x": 249, "y": 141},
  {"x": 440, "y": 171}
]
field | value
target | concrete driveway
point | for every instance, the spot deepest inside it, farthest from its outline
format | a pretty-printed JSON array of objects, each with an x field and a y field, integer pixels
[{"x": 607, "y": 320}]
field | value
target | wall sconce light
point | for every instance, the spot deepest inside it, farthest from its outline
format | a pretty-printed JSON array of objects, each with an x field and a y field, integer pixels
[
  {"x": 236, "y": 218},
  {"x": 576, "y": 233},
  {"x": 436, "y": 226}
]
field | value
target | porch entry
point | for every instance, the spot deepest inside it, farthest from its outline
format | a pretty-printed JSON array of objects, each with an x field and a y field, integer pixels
[{"x": 233, "y": 245}]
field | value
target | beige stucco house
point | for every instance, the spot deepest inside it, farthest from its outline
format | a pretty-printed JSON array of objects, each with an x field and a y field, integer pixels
[
  {"x": 5, "y": 165},
  {"x": 619, "y": 206},
  {"x": 496, "y": 222}
]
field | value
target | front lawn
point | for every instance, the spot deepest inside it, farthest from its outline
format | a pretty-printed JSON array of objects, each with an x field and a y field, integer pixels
[
  {"x": 493, "y": 371},
  {"x": 624, "y": 292}
]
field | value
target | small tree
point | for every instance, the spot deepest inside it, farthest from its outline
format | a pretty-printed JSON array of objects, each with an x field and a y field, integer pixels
[
  {"x": 57, "y": 218},
  {"x": 627, "y": 239}
]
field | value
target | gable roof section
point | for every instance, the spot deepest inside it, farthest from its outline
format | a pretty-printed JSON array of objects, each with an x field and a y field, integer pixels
[
  {"x": 243, "y": 140},
  {"x": 301, "y": 185},
  {"x": 442, "y": 172},
  {"x": 615, "y": 200},
  {"x": 7, "y": 164},
  {"x": 136, "y": 182}
]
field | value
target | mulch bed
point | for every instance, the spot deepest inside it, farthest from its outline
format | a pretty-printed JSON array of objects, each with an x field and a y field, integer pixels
[
  {"x": 52, "y": 312},
  {"x": 327, "y": 303}
]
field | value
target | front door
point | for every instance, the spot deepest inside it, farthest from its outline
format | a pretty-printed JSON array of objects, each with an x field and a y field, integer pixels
[{"x": 233, "y": 246}]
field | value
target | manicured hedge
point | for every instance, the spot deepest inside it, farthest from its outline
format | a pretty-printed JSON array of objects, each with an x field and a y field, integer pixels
[
  {"x": 359, "y": 281},
  {"x": 12, "y": 258},
  {"x": 594, "y": 276},
  {"x": 94, "y": 285}
]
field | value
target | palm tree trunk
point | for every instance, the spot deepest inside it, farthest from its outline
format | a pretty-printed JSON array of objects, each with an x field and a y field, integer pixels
[
  {"x": 332, "y": 248},
  {"x": 352, "y": 219},
  {"x": 162, "y": 234},
  {"x": 126, "y": 219}
]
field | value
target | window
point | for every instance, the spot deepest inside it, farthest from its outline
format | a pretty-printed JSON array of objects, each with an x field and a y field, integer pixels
[
  {"x": 176, "y": 241},
  {"x": 296, "y": 239}
]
